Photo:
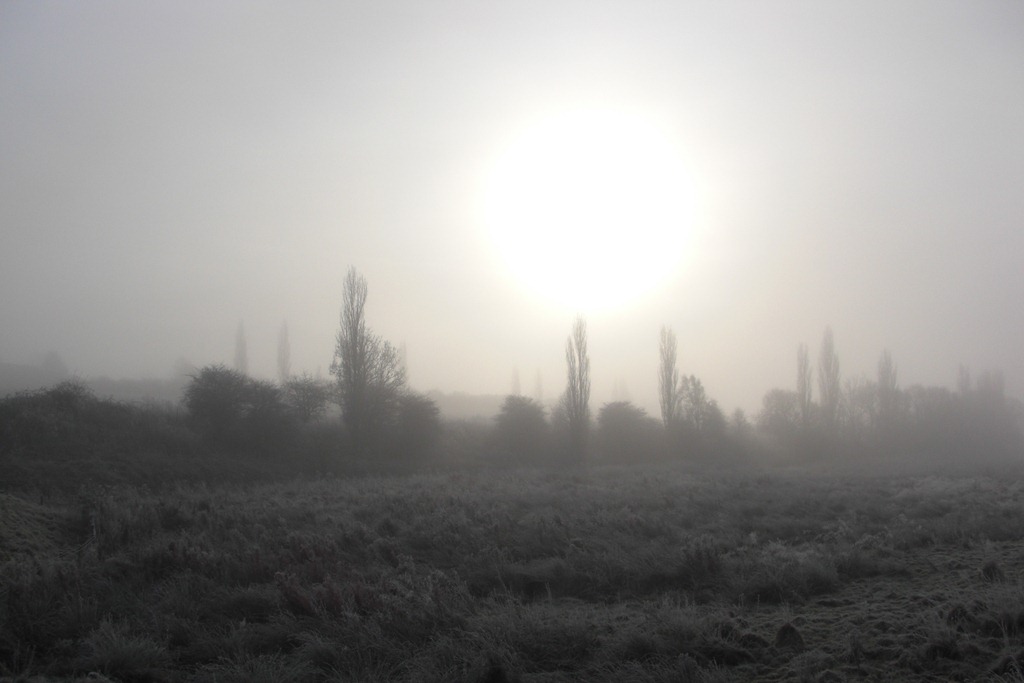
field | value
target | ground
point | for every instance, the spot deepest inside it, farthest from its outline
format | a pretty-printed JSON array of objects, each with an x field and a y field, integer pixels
[{"x": 646, "y": 573}]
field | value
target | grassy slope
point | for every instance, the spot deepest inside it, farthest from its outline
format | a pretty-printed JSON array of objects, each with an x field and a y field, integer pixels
[{"x": 643, "y": 574}]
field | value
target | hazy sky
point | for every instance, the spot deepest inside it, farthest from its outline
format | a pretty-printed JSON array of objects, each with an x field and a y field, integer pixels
[{"x": 168, "y": 169}]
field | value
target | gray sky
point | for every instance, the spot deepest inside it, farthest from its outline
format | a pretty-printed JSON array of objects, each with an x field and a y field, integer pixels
[{"x": 168, "y": 169}]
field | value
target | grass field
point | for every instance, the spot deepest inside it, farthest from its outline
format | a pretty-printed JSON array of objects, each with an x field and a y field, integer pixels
[{"x": 603, "y": 574}]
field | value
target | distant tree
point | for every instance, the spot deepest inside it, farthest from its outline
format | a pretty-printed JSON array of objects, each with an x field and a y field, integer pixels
[
  {"x": 369, "y": 371},
  {"x": 858, "y": 410},
  {"x": 991, "y": 388},
  {"x": 419, "y": 424},
  {"x": 268, "y": 422},
  {"x": 516, "y": 389},
  {"x": 521, "y": 429},
  {"x": 403, "y": 361},
  {"x": 669, "y": 389},
  {"x": 232, "y": 410},
  {"x": 888, "y": 392},
  {"x": 241, "y": 351},
  {"x": 828, "y": 381},
  {"x": 700, "y": 414},
  {"x": 215, "y": 400},
  {"x": 284, "y": 355},
  {"x": 963, "y": 380},
  {"x": 974, "y": 425},
  {"x": 576, "y": 399},
  {"x": 740, "y": 424},
  {"x": 803, "y": 385},
  {"x": 307, "y": 396},
  {"x": 780, "y": 413},
  {"x": 625, "y": 431}
]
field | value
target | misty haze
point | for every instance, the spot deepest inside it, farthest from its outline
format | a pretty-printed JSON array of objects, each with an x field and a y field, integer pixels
[{"x": 511, "y": 342}]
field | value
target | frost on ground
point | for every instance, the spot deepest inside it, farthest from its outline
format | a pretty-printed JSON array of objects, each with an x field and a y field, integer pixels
[{"x": 618, "y": 574}]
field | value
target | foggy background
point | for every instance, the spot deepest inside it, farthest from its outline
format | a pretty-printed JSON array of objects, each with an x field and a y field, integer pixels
[{"x": 169, "y": 170}]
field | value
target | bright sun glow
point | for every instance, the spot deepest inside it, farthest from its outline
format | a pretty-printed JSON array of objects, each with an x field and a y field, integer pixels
[{"x": 590, "y": 208}]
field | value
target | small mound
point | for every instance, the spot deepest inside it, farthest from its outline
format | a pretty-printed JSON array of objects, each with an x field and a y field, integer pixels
[
  {"x": 789, "y": 638},
  {"x": 991, "y": 571}
]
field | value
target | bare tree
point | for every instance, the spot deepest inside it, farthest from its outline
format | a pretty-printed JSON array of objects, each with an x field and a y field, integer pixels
[
  {"x": 668, "y": 379},
  {"x": 780, "y": 413},
  {"x": 284, "y": 355},
  {"x": 828, "y": 380},
  {"x": 241, "y": 351},
  {"x": 369, "y": 370},
  {"x": 803, "y": 384},
  {"x": 307, "y": 396},
  {"x": 576, "y": 400},
  {"x": 700, "y": 414}
]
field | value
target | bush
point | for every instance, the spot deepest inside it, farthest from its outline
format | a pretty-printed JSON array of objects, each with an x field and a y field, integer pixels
[
  {"x": 626, "y": 432},
  {"x": 67, "y": 422},
  {"x": 307, "y": 397},
  {"x": 522, "y": 429},
  {"x": 419, "y": 424},
  {"x": 233, "y": 411}
]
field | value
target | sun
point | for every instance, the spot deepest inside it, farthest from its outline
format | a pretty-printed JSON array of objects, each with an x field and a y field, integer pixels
[{"x": 589, "y": 208}]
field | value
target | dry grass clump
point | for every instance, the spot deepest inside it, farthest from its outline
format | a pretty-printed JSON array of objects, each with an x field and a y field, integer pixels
[
  {"x": 119, "y": 651},
  {"x": 260, "y": 668},
  {"x": 778, "y": 573}
]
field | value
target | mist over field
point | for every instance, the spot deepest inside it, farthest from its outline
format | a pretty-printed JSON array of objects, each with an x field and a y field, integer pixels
[
  {"x": 502, "y": 343},
  {"x": 170, "y": 172}
]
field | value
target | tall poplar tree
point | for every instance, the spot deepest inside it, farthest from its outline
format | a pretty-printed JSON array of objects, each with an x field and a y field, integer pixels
[
  {"x": 669, "y": 388},
  {"x": 576, "y": 400},
  {"x": 369, "y": 370},
  {"x": 828, "y": 380}
]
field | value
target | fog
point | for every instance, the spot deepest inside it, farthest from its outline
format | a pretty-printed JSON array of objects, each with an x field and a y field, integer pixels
[{"x": 170, "y": 170}]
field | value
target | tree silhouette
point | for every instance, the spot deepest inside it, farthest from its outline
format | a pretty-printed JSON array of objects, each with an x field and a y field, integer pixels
[
  {"x": 963, "y": 380},
  {"x": 700, "y": 414},
  {"x": 418, "y": 425},
  {"x": 369, "y": 370},
  {"x": 670, "y": 391},
  {"x": 307, "y": 396},
  {"x": 888, "y": 392},
  {"x": 576, "y": 400},
  {"x": 231, "y": 410},
  {"x": 780, "y": 413},
  {"x": 828, "y": 381},
  {"x": 521, "y": 428},
  {"x": 625, "y": 432},
  {"x": 803, "y": 385}
]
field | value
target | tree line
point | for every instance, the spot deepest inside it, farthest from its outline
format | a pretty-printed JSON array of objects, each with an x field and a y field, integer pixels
[
  {"x": 366, "y": 416},
  {"x": 821, "y": 418}
]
